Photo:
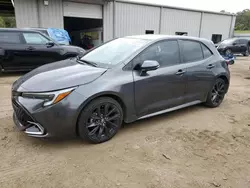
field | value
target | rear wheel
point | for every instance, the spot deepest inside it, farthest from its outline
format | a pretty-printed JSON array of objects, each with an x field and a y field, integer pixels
[
  {"x": 1, "y": 70},
  {"x": 217, "y": 93},
  {"x": 100, "y": 120},
  {"x": 246, "y": 53}
]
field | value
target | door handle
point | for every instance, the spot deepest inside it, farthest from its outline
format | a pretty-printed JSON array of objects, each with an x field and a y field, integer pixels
[
  {"x": 180, "y": 72},
  {"x": 30, "y": 48},
  {"x": 210, "y": 66}
]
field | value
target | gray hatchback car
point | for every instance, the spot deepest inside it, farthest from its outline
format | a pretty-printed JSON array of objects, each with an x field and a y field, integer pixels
[{"x": 123, "y": 80}]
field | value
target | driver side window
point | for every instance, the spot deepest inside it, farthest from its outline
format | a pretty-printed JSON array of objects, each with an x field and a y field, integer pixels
[
  {"x": 166, "y": 53},
  {"x": 35, "y": 38}
]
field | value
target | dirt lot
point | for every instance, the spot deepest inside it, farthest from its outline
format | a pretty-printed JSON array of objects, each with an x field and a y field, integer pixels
[{"x": 194, "y": 147}]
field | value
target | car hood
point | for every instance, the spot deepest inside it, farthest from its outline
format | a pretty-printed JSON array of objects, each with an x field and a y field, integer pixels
[
  {"x": 70, "y": 48},
  {"x": 56, "y": 76}
]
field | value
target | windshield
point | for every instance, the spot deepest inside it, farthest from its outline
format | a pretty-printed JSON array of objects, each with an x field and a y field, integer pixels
[{"x": 114, "y": 52}]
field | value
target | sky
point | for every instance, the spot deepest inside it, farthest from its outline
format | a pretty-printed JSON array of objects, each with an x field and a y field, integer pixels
[{"x": 211, "y": 5}]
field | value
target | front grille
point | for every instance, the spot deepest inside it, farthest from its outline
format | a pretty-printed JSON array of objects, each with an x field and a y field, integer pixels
[
  {"x": 16, "y": 93},
  {"x": 21, "y": 115}
]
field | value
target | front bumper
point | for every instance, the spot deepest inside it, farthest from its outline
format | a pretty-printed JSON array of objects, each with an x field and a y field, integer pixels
[{"x": 57, "y": 120}]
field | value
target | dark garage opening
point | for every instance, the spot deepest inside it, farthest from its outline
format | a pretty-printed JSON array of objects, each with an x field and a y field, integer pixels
[{"x": 84, "y": 32}]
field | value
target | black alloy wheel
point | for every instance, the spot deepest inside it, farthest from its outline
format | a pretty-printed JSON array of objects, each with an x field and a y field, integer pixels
[
  {"x": 246, "y": 53},
  {"x": 216, "y": 95},
  {"x": 100, "y": 120}
]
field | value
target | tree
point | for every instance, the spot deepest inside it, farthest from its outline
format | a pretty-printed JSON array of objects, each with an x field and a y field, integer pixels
[
  {"x": 243, "y": 20},
  {"x": 8, "y": 22},
  {"x": 2, "y": 22}
]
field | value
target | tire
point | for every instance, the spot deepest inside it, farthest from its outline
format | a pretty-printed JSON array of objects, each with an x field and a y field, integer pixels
[
  {"x": 228, "y": 52},
  {"x": 216, "y": 94},
  {"x": 100, "y": 120},
  {"x": 245, "y": 53},
  {"x": 1, "y": 70}
]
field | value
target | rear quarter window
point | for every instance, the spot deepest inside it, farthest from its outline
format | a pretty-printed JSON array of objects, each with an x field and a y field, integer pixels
[
  {"x": 10, "y": 38},
  {"x": 206, "y": 51}
]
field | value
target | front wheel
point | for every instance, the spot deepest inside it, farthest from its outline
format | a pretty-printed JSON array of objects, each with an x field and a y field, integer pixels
[
  {"x": 216, "y": 94},
  {"x": 100, "y": 120},
  {"x": 228, "y": 52}
]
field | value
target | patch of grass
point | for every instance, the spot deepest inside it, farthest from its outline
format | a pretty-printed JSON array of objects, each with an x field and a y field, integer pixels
[{"x": 242, "y": 32}]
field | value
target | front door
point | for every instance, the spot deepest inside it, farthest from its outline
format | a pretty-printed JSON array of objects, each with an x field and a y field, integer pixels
[
  {"x": 12, "y": 51},
  {"x": 162, "y": 88},
  {"x": 37, "y": 51},
  {"x": 236, "y": 48}
]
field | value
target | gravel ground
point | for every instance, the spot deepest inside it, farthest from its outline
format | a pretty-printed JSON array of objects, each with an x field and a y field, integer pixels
[{"x": 193, "y": 147}]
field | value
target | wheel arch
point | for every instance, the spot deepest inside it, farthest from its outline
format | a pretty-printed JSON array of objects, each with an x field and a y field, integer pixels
[
  {"x": 226, "y": 79},
  {"x": 112, "y": 95}
]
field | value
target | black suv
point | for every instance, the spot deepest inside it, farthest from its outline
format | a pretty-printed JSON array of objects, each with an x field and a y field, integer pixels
[
  {"x": 24, "y": 50},
  {"x": 234, "y": 46}
]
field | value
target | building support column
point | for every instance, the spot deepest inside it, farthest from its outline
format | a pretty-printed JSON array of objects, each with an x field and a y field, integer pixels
[
  {"x": 200, "y": 29},
  {"x": 114, "y": 19},
  {"x": 160, "y": 19}
]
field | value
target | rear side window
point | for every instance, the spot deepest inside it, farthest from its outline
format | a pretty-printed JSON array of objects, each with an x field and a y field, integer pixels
[
  {"x": 206, "y": 52},
  {"x": 242, "y": 41},
  {"x": 10, "y": 37},
  {"x": 191, "y": 51},
  {"x": 35, "y": 38}
]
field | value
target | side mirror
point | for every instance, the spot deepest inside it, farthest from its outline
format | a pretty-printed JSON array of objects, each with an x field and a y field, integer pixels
[
  {"x": 50, "y": 44},
  {"x": 234, "y": 43},
  {"x": 149, "y": 65}
]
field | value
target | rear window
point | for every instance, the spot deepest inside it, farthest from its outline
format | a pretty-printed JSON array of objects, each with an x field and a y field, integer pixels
[
  {"x": 10, "y": 37},
  {"x": 191, "y": 51}
]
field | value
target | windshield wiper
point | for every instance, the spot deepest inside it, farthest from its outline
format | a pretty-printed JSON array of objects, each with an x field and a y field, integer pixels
[{"x": 86, "y": 62}]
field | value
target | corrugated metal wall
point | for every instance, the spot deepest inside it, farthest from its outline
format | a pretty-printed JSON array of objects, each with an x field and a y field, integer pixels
[
  {"x": 26, "y": 13},
  {"x": 215, "y": 24},
  {"x": 174, "y": 20},
  {"x": 108, "y": 21},
  {"x": 132, "y": 19},
  {"x": 51, "y": 15},
  {"x": 33, "y": 13}
]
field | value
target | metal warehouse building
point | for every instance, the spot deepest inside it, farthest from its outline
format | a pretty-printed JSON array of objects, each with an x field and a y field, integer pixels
[{"x": 119, "y": 18}]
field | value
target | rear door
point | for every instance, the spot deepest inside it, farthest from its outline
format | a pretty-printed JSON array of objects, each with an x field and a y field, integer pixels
[
  {"x": 162, "y": 88},
  {"x": 243, "y": 45},
  {"x": 199, "y": 62},
  {"x": 12, "y": 51},
  {"x": 37, "y": 51}
]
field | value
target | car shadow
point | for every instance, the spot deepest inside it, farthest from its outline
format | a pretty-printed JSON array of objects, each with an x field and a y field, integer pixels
[
  {"x": 62, "y": 143},
  {"x": 14, "y": 74},
  {"x": 163, "y": 117}
]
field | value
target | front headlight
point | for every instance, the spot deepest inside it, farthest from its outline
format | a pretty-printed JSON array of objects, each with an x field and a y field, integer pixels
[{"x": 49, "y": 97}]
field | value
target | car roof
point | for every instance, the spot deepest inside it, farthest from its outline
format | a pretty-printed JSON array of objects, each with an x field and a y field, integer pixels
[
  {"x": 37, "y": 28},
  {"x": 154, "y": 37},
  {"x": 17, "y": 29}
]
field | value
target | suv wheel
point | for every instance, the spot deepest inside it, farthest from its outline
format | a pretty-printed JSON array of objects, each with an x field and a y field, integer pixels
[
  {"x": 216, "y": 94},
  {"x": 100, "y": 120},
  {"x": 246, "y": 53},
  {"x": 228, "y": 52}
]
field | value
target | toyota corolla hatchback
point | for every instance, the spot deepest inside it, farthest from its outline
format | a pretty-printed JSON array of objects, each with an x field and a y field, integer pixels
[{"x": 123, "y": 80}]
